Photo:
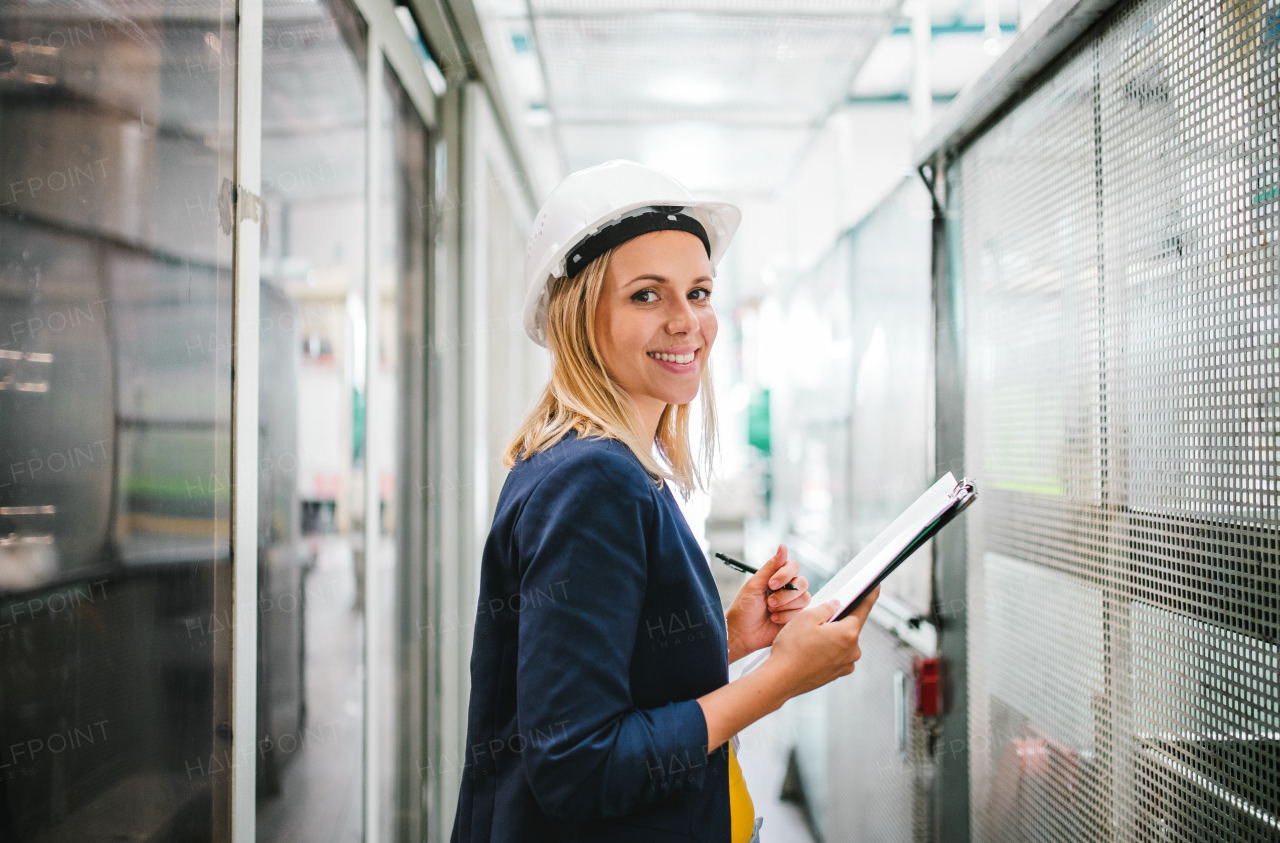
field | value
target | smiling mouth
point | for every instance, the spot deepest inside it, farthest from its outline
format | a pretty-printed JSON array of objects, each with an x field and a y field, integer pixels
[{"x": 672, "y": 358}]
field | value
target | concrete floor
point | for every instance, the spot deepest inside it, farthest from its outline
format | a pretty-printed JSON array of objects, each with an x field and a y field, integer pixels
[{"x": 764, "y": 747}]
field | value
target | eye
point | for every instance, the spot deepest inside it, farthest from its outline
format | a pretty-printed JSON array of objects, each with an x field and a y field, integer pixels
[
  {"x": 647, "y": 296},
  {"x": 700, "y": 294}
]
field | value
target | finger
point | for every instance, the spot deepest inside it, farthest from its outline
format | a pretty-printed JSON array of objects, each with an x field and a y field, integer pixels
[
  {"x": 784, "y": 599},
  {"x": 859, "y": 615},
  {"x": 800, "y": 583},
  {"x": 775, "y": 562},
  {"x": 786, "y": 572},
  {"x": 821, "y": 613},
  {"x": 785, "y": 616}
]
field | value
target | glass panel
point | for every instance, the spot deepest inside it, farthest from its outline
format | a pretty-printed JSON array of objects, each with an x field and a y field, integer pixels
[
  {"x": 310, "y": 707},
  {"x": 115, "y": 297},
  {"x": 517, "y": 369},
  {"x": 404, "y": 256}
]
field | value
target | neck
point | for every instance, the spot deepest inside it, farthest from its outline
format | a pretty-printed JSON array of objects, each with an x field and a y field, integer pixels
[{"x": 650, "y": 410}]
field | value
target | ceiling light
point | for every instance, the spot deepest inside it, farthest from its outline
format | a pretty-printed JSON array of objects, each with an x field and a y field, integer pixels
[{"x": 687, "y": 90}]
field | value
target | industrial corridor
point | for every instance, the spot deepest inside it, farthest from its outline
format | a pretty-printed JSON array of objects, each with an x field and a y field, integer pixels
[{"x": 301, "y": 302}]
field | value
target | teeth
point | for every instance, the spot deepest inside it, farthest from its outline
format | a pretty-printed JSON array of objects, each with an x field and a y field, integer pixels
[{"x": 672, "y": 358}]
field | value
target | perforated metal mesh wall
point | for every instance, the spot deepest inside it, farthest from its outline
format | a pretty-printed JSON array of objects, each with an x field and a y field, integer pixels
[{"x": 1117, "y": 235}]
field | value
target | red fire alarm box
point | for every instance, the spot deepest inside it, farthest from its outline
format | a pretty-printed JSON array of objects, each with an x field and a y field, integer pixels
[{"x": 928, "y": 699}]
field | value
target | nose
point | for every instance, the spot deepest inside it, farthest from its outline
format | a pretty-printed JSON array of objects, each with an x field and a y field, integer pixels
[{"x": 682, "y": 319}]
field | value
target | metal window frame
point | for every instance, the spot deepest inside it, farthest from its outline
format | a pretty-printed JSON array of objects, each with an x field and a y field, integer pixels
[
  {"x": 400, "y": 54},
  {"x": 485, "y": 154},
  {"x": 456, "y": 38},
  {"x": 374, "y": 69},
  {"x": 950, "y": 548},
  {"x": 444, "y": 747},
  {"x": 472, "y": 137},
  {"x": 244, "y": 421},
  {"x": 387, "y": 42}
]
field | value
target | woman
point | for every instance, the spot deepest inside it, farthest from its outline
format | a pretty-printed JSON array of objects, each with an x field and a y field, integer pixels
[{"x": 600, "y": 703}]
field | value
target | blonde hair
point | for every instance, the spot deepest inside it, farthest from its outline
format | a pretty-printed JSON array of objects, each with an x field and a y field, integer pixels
[{"x": 583, "y": 396}]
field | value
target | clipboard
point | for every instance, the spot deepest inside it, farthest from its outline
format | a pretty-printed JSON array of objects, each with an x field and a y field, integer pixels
[
  {"x": 959, "y": 495},
  {"x": 921, "y": 521}
]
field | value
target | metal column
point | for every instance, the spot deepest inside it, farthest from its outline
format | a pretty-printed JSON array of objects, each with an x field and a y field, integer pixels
[
  {"x": 244, "y": 422},
  {"x": 372, "y": 509}
]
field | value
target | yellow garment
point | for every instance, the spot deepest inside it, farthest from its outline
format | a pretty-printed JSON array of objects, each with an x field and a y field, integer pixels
[{"x": 741, "y": 809}]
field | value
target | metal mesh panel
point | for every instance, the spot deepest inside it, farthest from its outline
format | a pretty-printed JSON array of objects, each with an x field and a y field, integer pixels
[{"x": 1118, "y": 240}]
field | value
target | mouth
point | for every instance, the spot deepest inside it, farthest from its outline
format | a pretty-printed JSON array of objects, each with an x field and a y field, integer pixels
[
  {"x": 679, "y": 361},
  {"x": 673, "y": 358}
]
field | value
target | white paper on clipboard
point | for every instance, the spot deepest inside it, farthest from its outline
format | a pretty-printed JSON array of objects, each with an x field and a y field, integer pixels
[{"x": 872, "y": 560}]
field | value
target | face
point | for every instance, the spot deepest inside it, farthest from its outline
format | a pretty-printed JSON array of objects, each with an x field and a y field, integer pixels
[{"x": 654, "y": 322}]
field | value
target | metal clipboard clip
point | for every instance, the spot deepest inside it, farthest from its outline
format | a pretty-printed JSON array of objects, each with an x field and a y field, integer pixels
[{"x": 965, "y": 492}]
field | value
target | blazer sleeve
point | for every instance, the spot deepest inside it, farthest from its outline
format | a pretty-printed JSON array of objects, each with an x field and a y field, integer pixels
[{"x": 590, "y": 752}]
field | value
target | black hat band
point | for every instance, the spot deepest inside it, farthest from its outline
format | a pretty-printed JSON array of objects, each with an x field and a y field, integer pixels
[{"x": 660, "y": 219}]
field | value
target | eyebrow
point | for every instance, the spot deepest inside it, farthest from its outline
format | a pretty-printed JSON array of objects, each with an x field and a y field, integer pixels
[{"x": 663, "y": 280}]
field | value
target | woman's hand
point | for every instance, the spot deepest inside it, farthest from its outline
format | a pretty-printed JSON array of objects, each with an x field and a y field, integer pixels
[
  {"x": 807, "y": 654},
  {"x": 760, "y": 610},
  {"x": 811, "y": 652}
]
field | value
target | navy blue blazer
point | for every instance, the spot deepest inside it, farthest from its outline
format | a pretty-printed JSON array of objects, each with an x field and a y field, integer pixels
[{"x": 598, "y": 627}]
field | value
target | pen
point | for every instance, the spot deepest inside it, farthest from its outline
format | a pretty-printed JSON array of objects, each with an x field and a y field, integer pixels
[{"x": 747, "y": 569}]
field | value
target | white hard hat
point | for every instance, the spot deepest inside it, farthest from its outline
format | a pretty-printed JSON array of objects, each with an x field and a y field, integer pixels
[{"x": 592, "y": 199}]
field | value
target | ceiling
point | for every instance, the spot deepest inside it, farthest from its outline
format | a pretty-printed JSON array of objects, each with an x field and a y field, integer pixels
[{"x": 724, "y": 94}]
